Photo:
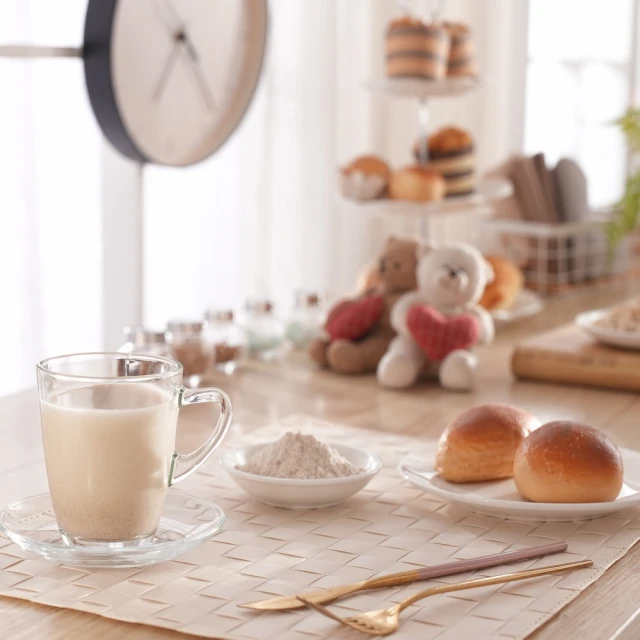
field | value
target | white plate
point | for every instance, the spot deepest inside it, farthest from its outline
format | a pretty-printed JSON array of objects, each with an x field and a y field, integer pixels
[
  {"x": 418, "y": 88},
  {"x": 613, "y": 338},
  {"x": 528, "y": 303},
  {"x": 500, "y": 497},
  {"x": 302, "y": 494}
]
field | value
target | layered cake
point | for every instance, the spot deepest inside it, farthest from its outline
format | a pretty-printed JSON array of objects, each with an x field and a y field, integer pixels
[
  {"x": 450, "y": 153},
  {"x": 416, "y": 50},
  {"x": 462, "y": 52}
]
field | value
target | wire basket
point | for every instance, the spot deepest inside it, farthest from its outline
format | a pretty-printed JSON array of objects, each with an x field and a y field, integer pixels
[{"x": 563, "y": 259}]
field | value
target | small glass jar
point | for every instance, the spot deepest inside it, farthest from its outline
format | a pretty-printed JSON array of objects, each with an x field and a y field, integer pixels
[
  {"x": 129, "y": 337},
  {"x": 306, "y": 319},
  {"x": 189, "y": 348},
  {"x": 227, "y": 340},
  {"x": 141, "y": 341},
  {"x": 145, "y": 342},
  {"x": 265, "y": 332}
]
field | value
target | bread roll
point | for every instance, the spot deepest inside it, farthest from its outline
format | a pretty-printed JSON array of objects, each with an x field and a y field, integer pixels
[
  {"x": 480, "y": 443},
  {"x": 368, "y": 165},
  {"x": 506, "y": 286},
  {"x": 417, "y": 184},
  {"x": 365, "y": 178},
  {"x": 566, "y": 461}
]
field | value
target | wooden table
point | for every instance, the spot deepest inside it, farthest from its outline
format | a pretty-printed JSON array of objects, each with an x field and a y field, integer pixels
[{"x": 262, "y": 393}]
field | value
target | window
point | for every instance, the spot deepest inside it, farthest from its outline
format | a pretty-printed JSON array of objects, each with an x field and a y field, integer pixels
[{"x": 579, "y": 79}]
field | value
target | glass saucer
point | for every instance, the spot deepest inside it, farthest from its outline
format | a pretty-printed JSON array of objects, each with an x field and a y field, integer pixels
[{"x": 186, "y": 522}]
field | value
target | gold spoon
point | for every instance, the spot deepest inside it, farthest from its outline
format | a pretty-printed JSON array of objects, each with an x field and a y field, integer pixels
[{"x": 386, "y": 621}]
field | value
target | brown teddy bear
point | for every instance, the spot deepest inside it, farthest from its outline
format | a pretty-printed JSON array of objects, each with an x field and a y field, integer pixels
[{"x": 358, "y": 331}]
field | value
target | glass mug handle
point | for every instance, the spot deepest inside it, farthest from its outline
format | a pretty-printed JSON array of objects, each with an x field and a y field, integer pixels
[{"x": 184, "y": 464}]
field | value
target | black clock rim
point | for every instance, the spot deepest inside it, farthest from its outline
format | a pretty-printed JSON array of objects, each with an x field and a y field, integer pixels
[{"x": 96, "y": 54}]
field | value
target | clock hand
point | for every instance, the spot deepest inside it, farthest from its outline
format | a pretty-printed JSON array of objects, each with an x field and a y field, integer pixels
[
  {"x": 164, "y": 18},
  {"x": 202, "y": 83},
  {"x": 166, "y": 71},
  {"x": 176, "y": 16}
]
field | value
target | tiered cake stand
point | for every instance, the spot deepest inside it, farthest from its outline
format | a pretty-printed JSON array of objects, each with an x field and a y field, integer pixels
[{"x": 488, "y": 189}]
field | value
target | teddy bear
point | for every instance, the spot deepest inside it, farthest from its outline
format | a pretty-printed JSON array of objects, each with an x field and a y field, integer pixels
[
  {"x": 438, "y": 324},
  {"x": 358, "y": 332}
]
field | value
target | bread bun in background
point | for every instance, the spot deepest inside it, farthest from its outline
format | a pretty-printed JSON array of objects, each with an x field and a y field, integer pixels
[
  {"x": 369, "y": 165},
  {"x": 364, "y": 178},
  {"x": 417, "y": 184},
  {"x": 506, "y": 286},
  {"x": 566, "y": 461},
  {"x": 480, "y": 444}
]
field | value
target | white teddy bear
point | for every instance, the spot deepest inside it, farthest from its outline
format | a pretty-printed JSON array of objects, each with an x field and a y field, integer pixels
[{"x": 451, "y": 280}]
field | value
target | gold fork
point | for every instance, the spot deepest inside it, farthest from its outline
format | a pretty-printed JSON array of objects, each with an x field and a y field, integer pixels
[{"x": 385, "y": 621}]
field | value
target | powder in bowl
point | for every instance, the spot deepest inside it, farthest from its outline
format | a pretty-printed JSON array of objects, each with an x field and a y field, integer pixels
[{"x": 300, "y": 457}]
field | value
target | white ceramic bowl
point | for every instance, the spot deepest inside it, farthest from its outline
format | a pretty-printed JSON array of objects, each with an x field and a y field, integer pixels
[{"x": 302, "y": 494}]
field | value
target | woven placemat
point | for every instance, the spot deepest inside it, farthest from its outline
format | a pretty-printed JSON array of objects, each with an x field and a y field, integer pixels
[{"x": 390, "y": 526}]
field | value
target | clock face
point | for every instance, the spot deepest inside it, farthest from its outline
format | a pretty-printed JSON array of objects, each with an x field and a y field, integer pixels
[{"x": 181, "y": 73}]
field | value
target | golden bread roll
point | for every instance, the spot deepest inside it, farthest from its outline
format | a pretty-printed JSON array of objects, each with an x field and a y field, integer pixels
[
  {"x": 368, "y": 165},
  {"x": 566, "y": 461},
  {"x": 416, "y": 183},
  {"x": 480, "y": 444},
  {"x": 506, "y": 286}
]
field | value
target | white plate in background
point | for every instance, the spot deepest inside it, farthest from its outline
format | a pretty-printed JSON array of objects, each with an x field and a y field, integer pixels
[
  {"x": 528, "y": 303},
  {"x": 500, "y": 497},
  {"x": 623, "y": 339}
]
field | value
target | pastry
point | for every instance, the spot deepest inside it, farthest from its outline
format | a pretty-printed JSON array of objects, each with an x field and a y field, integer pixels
[
  {"x": 450, "y": 152},
  {"x": 365, "y": 178},
  {"x": 462, "y": 53},
  {"x": 506, "y": 286},
  {"x": 416, "y": 183},
  {"x": 566, "y": 461},
  {"x": 480, "y": 444},
  {"x": 416, "y": 50}
]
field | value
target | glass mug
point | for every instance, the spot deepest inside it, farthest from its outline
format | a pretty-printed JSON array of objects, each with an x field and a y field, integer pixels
[{"x": 109, "y": 432}]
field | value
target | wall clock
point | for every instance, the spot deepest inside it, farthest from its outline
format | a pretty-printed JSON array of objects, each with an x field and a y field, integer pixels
[{"x": 170, "y": 80}]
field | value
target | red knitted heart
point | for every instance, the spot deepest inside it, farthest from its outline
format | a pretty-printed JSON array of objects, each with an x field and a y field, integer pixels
[
  {"x": 438, "y": 335},
  {"x": 353, "y": 319}
]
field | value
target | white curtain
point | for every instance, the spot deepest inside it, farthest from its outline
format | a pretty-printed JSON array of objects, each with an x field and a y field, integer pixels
[
  {"x": 261, "y": 218},
  {"x": 50, "y": 248}
]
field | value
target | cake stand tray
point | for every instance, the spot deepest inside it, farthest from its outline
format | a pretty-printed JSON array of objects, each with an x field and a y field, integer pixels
[
  {"x": 419, "y": 88},
  {"x": 488, "y": 190}
]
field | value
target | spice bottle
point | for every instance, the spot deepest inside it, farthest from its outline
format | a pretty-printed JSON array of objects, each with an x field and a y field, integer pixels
[
  {"x": 306, "y": 319},
  {"x": 146, "y": 342},
  {"x": 188, "y": 347},
  {"x": 265, "y": 331},
  {"x": 226, "y": 340}
]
